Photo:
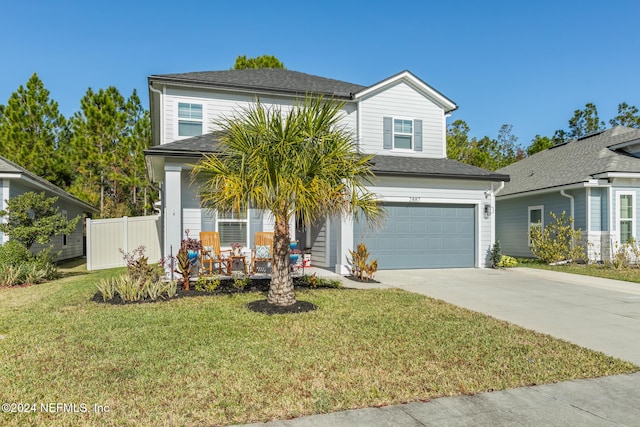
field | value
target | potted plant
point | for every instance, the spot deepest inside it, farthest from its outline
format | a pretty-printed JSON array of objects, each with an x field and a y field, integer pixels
[
  {"x": 191, "y": 246},
  {"x": 236, "y": 248}
]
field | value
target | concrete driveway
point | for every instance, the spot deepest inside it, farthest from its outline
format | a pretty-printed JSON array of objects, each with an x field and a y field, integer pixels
[{"x": 599, "y": 314}]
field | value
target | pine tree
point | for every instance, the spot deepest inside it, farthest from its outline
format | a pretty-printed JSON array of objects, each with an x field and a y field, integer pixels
[
  {"x": 32, "y": 130},
  {"x": 97, "y": 131}
]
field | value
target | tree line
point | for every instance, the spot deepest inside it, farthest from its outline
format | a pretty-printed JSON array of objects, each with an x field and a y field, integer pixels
[
  {"x": 495, "y": 153},
  {"x": 96, "y": 154}
]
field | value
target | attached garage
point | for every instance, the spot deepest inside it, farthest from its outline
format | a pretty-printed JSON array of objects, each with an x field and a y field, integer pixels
[{"x": 422, "y": 236}]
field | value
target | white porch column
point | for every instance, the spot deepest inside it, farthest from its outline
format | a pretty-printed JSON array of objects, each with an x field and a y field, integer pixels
[
  {"x": 345, "y": 243},
  {"x": 172, "y": 209}
]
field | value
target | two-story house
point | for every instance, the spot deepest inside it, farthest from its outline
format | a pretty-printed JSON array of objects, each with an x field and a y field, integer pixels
[{"x": 440, "y": 212}]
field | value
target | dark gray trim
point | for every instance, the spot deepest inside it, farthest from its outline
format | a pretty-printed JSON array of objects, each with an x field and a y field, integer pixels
[
  {"x": 387, "y": 133},
  {"x": 417, "y": 135}
]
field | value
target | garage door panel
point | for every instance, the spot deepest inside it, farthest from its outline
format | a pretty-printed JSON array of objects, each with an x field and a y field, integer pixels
[{"x": 422, "y": 236}]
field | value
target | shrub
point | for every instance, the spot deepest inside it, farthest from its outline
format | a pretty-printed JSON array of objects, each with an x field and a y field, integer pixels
[
  {"x": 185, "y": 267},
  {"x": 207, "y": 283},
  {"x": 32, "y": 218},
  {"x": 44, "y": 260},
  {"x": 107, "y": 289},
  {"x": 558, "y": 241},
  {"x": 33, "y": 274},
  {"x": 14, "y": 253},
  {"x": 314, "y": 282},
  {"x": 11, "y": 275},
  {"x": 360, "y": 267},
  {"x": 624, "y": 254},
  {"x": 240, "y": 280},
  {"x": 138, "y": 266},
  {"x": 507, "y": 261},
  {"x": 130, "y": 290},
  {"x": 496, "y": 255}
]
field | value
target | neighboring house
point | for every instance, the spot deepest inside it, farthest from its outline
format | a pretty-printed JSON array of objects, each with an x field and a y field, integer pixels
[
  {"x": 439, "y": 211},
  {"x": 16, "y": 180},
  {"x": 594, "y": 179}
]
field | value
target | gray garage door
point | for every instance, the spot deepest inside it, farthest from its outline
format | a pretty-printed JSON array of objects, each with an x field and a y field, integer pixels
[{"x": 422, "y": 236}]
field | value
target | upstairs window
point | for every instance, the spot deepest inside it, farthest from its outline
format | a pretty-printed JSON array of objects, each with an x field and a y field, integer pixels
[
  {"x": 402, "y": 134},
  {"x": 189, "y": 119}
]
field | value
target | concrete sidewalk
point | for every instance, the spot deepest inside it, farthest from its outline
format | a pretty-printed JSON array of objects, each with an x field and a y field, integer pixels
[
  {"x": 600, "y": 314},
  {"x": 607, "y": 401}
]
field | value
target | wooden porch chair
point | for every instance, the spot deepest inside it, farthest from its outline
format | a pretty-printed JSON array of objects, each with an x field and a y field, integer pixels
[
  {"x": 262, "y": 250},
  {"x": 211, "y": 253}
]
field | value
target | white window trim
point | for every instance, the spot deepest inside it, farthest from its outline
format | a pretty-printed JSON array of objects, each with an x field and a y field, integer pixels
[
  {"x": 393, "y": 135},
  {"x": 633, "y": 214},
  {"x": 531, "y": 224},
  {"x": 179, "y": 119},
  {"x": 236, "y": 220}
]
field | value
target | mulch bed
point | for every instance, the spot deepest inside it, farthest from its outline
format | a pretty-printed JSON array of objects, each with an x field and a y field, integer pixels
[
  {"x": 262, "y": 306},
  {"x": 226, "y": 288},
  {"x": 357, "y": 279}
]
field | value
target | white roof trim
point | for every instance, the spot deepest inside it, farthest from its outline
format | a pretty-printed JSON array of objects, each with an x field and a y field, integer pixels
[
  {"x": 632, "y": 175},
  {"x": 587, "y": 184},
  {"x": 442, "y": 100}
]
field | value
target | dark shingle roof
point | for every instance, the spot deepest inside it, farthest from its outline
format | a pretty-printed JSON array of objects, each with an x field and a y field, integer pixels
[
  {"x": 271, "y": 79},
  {"x": 381, "y": 165},
  {"x": 434, "y": 168},
  {"x": 189, "y": 147},
  {"x": 574, "y": 162},
  {"x": 7, "y": 166}
]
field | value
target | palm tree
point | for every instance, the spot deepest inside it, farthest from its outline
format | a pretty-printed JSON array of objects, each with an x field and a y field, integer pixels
[{"x": 300, "y": 162}]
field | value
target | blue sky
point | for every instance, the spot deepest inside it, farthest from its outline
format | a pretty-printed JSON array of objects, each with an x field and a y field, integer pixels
[{"x": 528, "y": 64}]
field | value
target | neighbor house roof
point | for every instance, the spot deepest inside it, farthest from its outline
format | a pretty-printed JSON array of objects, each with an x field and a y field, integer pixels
[
  {"x": 264, "y": 79},
  {"x": 573, "y": 162},
  {"x": 8, "y": 169},
  {"x": 380, "y": 165}
]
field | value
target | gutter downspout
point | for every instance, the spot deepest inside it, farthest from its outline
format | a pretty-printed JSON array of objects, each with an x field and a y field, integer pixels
[
  {"x": 573, "y": 224},
  {"x": 160, "y": 93}
]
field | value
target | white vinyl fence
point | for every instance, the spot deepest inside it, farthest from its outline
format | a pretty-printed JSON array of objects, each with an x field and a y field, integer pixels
[{"x": 105, "y": 238}]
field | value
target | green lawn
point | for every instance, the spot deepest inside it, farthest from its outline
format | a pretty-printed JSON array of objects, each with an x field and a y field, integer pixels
[
  {"x": 210, "y": 361},
  {"x": 629, "y": 274}
]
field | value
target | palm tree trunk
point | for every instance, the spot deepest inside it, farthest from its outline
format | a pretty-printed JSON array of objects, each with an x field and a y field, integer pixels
[{"x": 281, "y": 289}]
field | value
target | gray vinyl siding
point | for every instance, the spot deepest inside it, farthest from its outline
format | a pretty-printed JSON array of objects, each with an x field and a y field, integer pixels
[
  {"x": 319, "y": 255},
  {"x": 218, "y": 105},
  {"x": 599, "y": 207},
  {"x": 334, "y": 226},
  {"x": 512, "y": 217},
  {"x": 401, "y": 101},
  {"x": 579, "y": 208}
]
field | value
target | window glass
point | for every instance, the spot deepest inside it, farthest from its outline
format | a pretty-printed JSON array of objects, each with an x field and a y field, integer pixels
[
  {"x": 193, "y": 126},
  {"x": 189, "y": 128},
  {"x": 231, "y": 232},
  {"x": 626, "y": 206},
  {"x": 535, "y": 216},
  {"x": 189, "y": 111},
  {"x": 626, "y": 217},
  {"x": 402, "y": 134}
]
